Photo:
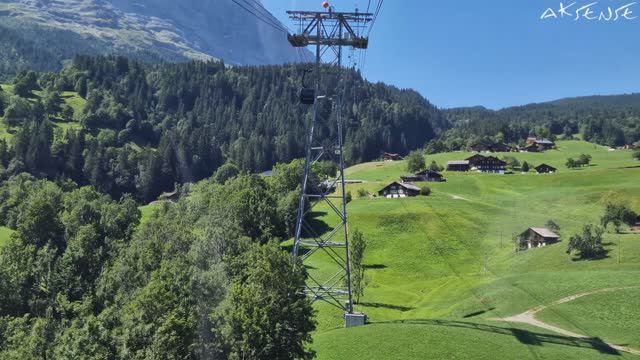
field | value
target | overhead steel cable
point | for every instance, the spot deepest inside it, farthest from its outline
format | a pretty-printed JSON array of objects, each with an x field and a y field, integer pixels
[
  {"x": 273, "y": 25},
  {"x": 266, "y": 14},
  {"x": 375, "y": 16}
]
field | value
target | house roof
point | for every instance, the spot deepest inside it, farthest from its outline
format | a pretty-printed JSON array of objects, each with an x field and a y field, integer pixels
[
  {"x": 458, "y": 162},
  {"x": 544, "y": 232},
  {"x": 544, "y": 166},
  {"x": 544, "y": 141},
  {"x": 405, "y": 185},
  {"x": 428, "y": 172}
]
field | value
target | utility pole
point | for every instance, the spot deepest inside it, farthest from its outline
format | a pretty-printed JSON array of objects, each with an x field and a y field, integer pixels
[{"x": 328, "y": 32}]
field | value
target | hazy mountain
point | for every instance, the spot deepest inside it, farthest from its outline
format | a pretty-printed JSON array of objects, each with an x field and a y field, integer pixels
[{"x": 168, "y": 29}]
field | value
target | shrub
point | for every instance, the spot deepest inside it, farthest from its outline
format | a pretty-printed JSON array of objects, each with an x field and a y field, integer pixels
[
  {"x": 362, "y": 193},
  {"x": 425, "y": 191},
  {"x": 349, "y": 197},
  {"x": 588, "y": 243}
]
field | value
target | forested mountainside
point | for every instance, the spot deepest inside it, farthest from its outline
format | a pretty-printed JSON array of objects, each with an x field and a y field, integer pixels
[
  {"x": 206, "y": 278},
  {"x": 145, "y": 127},
  {"x": 607, "y": 120},
  {"x": 145, "y": 29}
]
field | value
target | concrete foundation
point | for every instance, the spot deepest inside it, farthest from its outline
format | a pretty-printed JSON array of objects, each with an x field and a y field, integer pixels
[{"x": 351, "y": 320}]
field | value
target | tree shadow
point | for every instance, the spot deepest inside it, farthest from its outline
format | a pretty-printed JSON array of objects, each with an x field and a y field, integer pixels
[
  {"x": 314, "y": 226},
  {"x": 477, "y": 313},
  {"x": 387, "y": 306},
  {"x": 525, "y": 337},
  {"x": 600, "y": 256},
  {"x": 375, "y": 266}
]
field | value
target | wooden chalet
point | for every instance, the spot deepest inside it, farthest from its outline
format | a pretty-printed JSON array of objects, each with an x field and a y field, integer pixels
[
  {"x": 397, "y": 190},
  {"x": 629, "y": 147},
  {"x": 424, "y": 176},
  {"x": 537, "y": 237},
  {"x": 636, "y": 227},
  {"x": 545, "y": 169},
  {"x": 487, "y": 164},
  {"x": 531, "y": 148},
  {"x": 541, "y": 144},
  {"x": 458, "y": 165},
  {"x": 501, "y": 148},
  {"x": 391, "y": 157},
  {"x": 480, "y": 148}
]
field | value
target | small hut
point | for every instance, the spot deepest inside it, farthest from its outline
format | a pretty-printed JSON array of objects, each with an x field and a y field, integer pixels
[{"x": 537, "y": 237}]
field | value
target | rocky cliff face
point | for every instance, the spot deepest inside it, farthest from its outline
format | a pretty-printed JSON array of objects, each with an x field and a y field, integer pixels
[{"x": 172, "y": 29}]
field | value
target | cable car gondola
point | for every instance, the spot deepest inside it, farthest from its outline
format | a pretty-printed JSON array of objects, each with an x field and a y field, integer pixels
[{"x": 307, "y": 95}]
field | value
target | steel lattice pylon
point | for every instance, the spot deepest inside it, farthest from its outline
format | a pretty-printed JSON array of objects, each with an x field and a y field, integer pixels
[{"x": 328, "y": 32}]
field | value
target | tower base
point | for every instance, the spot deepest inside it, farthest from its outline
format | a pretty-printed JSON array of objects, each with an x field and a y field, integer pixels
[{"x": 352, "y": 320}]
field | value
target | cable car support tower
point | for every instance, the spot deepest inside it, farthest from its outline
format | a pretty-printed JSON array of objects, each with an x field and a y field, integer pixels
[{"x": 327, "y": 32}]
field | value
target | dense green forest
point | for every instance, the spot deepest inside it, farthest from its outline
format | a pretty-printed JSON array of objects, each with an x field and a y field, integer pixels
[
  {"x": 146, "y": 127},
  {"x": 606, "y": 120},
  {"x": 205, "y": 278}
]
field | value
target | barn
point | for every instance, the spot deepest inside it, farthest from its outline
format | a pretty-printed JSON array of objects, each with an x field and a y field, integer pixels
[
  {"x": 458, "y": 165},
  {"x": 425, "y": 176},
  {"x": 487, "y": 164},
  {"x": 545, "y": 169},
  {"x": 391, "y": 157},
  {"x": 399, "y": 190},
  {"x": 537, "y": 237}
]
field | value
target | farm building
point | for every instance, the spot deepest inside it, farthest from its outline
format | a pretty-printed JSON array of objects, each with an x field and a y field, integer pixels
[
  {"x": 545, "y": 169},
  {"x": 458, "y": 165},
  {"x": 391, "y": 157},
  {"x": 536, "y": 237},
  {"x": 424, "y": 176},
  {"x": 490, "y": 148},
  {"x": 636, "y": 227},
  {"x": 399, "y": 190},
  {"x": 480, "y": 148},
  {"x": 531, "y": 148},
  {"x": 501, "y": 148},
  {"x": 487, "y": 164},
  {"x": 542, "y": 144}
]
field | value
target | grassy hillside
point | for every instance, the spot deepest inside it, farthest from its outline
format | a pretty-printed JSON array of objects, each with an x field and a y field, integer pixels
[
  {"x": 70, "y": 98},
  {"x": 450, "y": 256},
  {"x": 5, "y": 233}
]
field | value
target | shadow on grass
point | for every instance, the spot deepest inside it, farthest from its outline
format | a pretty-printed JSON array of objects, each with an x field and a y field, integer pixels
[
  {"x": 386, "y": 306},
  {"x": 476, "y": 313},
  {"x": 526, "y": 337},
  {"x": 375, "y": 266},
  {"x": 600, "y": 256}
]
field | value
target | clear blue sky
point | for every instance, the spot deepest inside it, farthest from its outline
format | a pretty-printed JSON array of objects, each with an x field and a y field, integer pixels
[{"x": 495, "y": 53}]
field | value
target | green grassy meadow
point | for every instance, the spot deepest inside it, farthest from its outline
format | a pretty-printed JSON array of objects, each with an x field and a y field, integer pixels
[
  {"x": 450, "y": 257},
  {"x": 5, "y": 233},
  {"x": 70, "y": 98}
]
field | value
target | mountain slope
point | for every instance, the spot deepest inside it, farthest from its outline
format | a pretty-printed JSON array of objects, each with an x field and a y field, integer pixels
[{"x": 172, "y": 30}]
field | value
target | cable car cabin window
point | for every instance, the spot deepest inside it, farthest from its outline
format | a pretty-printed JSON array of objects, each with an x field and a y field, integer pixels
[{"x": 307, "y": 96}]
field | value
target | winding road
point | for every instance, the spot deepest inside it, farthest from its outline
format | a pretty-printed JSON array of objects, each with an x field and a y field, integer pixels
[{"x": 528, "y": 317}]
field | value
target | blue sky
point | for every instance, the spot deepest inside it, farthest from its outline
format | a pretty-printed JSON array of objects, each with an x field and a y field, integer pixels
[{"x": 496, "y": 53}]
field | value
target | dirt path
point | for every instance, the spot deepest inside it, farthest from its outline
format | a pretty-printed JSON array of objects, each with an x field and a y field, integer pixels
[{"x": 528, "y": 317}]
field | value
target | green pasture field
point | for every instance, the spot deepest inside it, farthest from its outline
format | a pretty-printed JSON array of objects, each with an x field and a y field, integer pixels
[{"x": 450, "y": 257}]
